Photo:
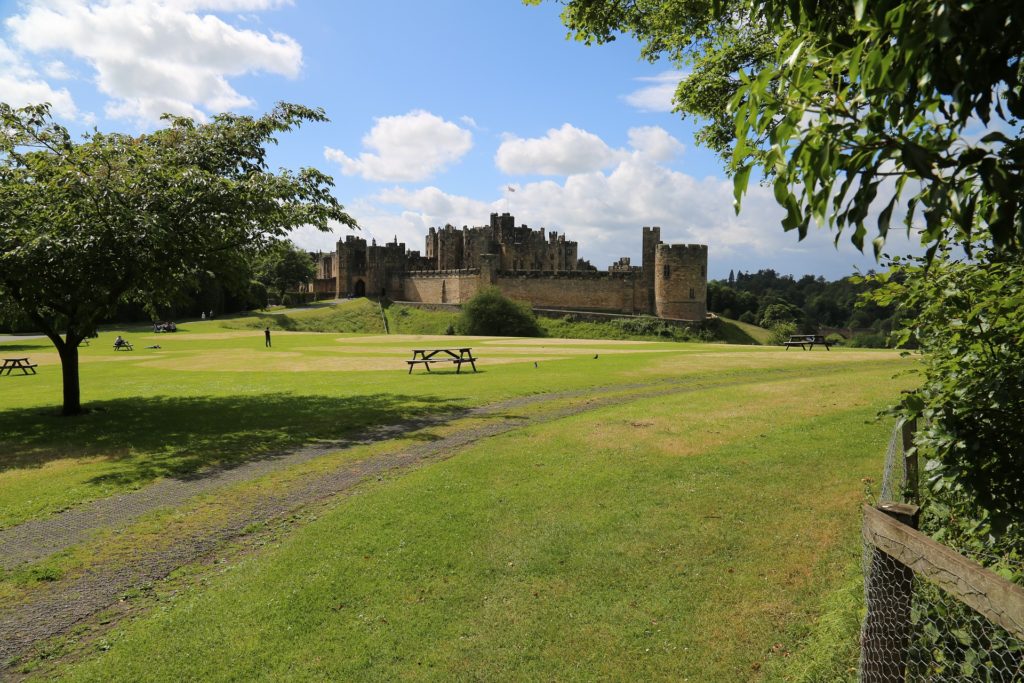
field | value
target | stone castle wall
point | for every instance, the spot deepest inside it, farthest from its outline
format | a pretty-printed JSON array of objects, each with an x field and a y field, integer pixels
[
  {"x": 581, "y": 291},
  {"x": 525, "y": 264},
  {"x": 442, "y": 287}
]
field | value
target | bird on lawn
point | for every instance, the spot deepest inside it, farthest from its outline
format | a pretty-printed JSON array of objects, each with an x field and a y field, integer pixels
[
  {"x": 534, "y": 363},
  {"x": 595, "y": 355}
]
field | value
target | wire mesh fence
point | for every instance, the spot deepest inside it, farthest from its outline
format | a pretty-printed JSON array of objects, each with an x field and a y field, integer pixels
[{"x": 934, "y": 614}]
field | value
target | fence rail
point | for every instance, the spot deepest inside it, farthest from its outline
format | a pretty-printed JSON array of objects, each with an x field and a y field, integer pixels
[{"x": 932, "y": 613}]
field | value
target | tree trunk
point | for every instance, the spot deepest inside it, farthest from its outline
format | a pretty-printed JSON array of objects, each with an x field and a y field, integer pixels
[{"x": 68, "y": 351}]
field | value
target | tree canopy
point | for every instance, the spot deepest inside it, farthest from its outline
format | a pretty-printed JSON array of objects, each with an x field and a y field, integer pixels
[
  {"x": 856, "y": 111},
  {"x": 284, "y": 265},
  {"x": 85, "y": 225}
]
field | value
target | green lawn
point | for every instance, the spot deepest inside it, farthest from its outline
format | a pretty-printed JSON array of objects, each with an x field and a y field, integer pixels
[{"x": 698, "y": 535}]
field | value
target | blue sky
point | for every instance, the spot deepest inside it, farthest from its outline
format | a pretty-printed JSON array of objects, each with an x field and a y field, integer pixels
[{"x": 436, "y": 108}]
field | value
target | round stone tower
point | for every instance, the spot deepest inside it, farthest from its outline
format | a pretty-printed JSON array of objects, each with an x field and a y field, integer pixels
[{"x": 681, "y": 281}]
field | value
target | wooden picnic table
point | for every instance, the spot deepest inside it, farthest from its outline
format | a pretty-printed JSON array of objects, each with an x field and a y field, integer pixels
[
  {"x": 428, "y": 356},
  {"x": 12, "y": 364},
  {"x": 124, "y": 346},
  {"x": 807, "y": 341}
]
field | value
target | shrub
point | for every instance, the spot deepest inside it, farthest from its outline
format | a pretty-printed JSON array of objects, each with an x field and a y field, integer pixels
[
  {"x": 645, "y": 325},
  {"x": 781, "y": 332},
  {"x": 491, "y": 313},
  {"x": 871, "y": 340},
  {"x": 780, "y": 313},
  {"x": 748, "y": 317}
]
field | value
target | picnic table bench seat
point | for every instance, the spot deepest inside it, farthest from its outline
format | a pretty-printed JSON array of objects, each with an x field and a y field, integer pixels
[
  {"x": 12, "y": 364},
  {"x": 124, "y": 346},
  {"x": 457, "y": 356},
  {"x": 807, "y": 341}
]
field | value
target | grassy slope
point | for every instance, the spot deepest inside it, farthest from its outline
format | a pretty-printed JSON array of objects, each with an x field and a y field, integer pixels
[
  {"x": 624, "y": 544},
  {"x": 736, "y": 332},
  {"x": 363, "y": 316}
]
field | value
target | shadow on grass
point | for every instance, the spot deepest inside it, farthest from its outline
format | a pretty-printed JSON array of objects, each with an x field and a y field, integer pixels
[
  {"x": 148, "y": 438},
  {"x": 41, "y": 345}
]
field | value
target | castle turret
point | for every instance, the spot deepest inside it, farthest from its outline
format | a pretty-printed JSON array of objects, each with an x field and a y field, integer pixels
[
  {"x": 488, "y": 269},
  {"x": 652, "y": 238},
  {"x": 681, "y": 281}
]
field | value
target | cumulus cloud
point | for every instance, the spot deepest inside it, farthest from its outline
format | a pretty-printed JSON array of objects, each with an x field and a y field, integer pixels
[
  {"x": 157, "y": 56},
  {"x": 655, "y": 144},
  {"x": 563, "y": 151},
  {"x": 406, "y": 148},
  {"x": 21, "y": 85},
  {"x": 433, "y": 202},
  {"x": 656, "y": 97}
]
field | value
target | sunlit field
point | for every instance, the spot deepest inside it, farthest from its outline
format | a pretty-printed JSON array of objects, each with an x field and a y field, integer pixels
[{"x": 642, "y": 510}]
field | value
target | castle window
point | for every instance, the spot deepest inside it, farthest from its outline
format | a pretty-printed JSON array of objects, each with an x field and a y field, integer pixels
[
  {"x": 665, "y": 271},
  {"x": 692, "y": 293}
]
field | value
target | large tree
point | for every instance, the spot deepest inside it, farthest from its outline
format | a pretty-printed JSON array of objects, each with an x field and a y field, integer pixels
[
  {"x": 859, "y": 112},
  {"x": 87, "y": 224}
]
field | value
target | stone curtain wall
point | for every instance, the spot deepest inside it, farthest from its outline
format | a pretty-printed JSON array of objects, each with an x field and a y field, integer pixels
[
  {"x": 584, "y": 290},
  {"x": 440, "y": 287}
]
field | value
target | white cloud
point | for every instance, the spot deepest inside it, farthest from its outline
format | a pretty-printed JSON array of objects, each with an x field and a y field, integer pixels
[
  {"x": 655, "y": 143},
  {"x": 563, "y": 151},
  {"x": 57, "y": 69},
  {"x": 433, "y": 202},
  {"x": 658, "y": 96},
  {"x": 20, "y": 85},
  {"x": 156, "y": 56},
  {"x": 410, "y": 147}
]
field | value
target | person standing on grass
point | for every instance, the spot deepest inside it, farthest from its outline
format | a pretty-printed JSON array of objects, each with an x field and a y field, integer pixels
[{"x": 266, "y": 334}]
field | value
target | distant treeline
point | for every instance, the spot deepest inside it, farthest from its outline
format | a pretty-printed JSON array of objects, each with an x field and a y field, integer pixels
[{"x": 810, "y": 304}]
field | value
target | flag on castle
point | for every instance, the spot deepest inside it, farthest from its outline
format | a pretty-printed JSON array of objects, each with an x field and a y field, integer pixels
[{"x": 511, "y": 189}]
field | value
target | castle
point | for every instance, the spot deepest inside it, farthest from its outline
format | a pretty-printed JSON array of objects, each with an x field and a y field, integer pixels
[{"x": 525, "y": 265}]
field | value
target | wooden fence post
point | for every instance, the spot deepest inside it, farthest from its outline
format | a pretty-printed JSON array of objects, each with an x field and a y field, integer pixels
[
  {"x": 910, "y": 476},
  {"x": 886, "y": 636}
]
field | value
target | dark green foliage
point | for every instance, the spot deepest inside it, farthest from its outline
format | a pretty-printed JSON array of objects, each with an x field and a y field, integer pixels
[
  {"x": 970, "y": 327},
  {"x": 284, "y": 266},
  {"x": 780, "y": 313},
  {"x": 869, "y": 340},
  {"x": 646, "y": 325},
  {"x": 812, "y": 301},
  {"x": 781, "y": 332},
  {"x": 491, "y": 313}
]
